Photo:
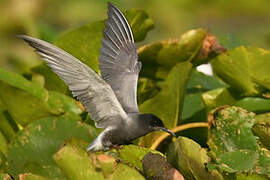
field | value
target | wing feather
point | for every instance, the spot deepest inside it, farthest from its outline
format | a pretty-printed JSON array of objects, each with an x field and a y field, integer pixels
[
  {"x": 95, "y": 94},
  {"x": 118, "y": 59}
]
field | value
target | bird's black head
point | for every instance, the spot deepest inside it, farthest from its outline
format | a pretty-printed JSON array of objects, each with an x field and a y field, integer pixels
[{"x": 156, "y": 124}]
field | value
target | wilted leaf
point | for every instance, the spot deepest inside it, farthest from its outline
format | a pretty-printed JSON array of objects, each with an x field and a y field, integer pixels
[
  {"x": 33, "y": 148},
  {"x": 168, "y": 103},
  {"x": 231, "y": 141},
  {"x": 261, "y": 128},
  {"x": 187, "y": 156},
  {"x": 5, "y": 177},
  {"x": 246, "y": 69},
  {"x": 84, "y": 42},
  {"x": 156, "y": 166}
]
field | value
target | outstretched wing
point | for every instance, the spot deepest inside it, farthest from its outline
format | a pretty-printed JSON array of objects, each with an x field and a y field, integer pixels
[
  {"x": 118, "y": 59},
  {"x": 95, "y": 94}
]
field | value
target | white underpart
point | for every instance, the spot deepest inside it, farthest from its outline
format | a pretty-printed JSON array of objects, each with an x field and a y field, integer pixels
[{"x": 97, "y": 145}]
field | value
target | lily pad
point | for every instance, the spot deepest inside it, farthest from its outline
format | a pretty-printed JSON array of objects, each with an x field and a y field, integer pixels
[
  {"x": 261, "y": 128},
  {"x": 231, "y": 141},
  {"x": 254, "y": 104},
  {"x": 134, "y": 155},
  {"x": 239, "y": 68},
  {"x": 34, "y": 146},
  {"x": 187, "y": 156},
  {"x": 35, "y": 101},
  {"x": 217, "y": 97},
  {"x": 158, "y": 58},
  {"x": 168, "y": 103},
  {"x": 76, "y": 164}
]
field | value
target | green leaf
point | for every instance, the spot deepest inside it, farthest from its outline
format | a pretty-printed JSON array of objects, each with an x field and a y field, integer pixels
[
  {"x": 187, "y": 156},
  {"x": 124, "y": 172},
  {"x": 52, "y": 80},
  {"x": 84, "y": 42},
  {"x": 261, "y": 128},
  {"x": 30, "y": 176},
  {"x": 245, "y": 69},
  {"x": 250, "y": 177},
  {"x": 263, "y": 165},
  {"x": 257, "y": 105},
  {"x": 170, "y": 98},
  {"x": 34, "y": 146},
  {"x": 217, "y": 97},
  {"x": 158, "y": 58},
  {"x": 76, "y": 164},
  {"x": 35, "y": 101},
  {"x": 231, "y": 141},
  {"x": 17, "y": 81},
  {"x": 134, "y": 155},
  {"x": 140, "y": 23},
  {"x": 3, "y": 144},
  {"x": 192, "y": 104},
  {"x": 7, "y": 125},
  {"x": 199, "y": 82}
]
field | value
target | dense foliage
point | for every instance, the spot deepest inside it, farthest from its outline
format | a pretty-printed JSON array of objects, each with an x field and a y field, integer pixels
[{"x": 44, "y": 132}]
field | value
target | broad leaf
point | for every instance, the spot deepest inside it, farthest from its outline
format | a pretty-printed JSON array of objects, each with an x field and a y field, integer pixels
[
  {"x": 231, "y": 141},
  {"x": 158, "y": 58},
  {"x": 33, "y": 148},
  {"x": 168, "y": 103},
  {"x": 35, "y": 102},
  {"x": 246, "y": 69},
  {"x": 76, "y": 164},
  {"x": 187, "y": 156},
  {"x": 261, "y": 128}
]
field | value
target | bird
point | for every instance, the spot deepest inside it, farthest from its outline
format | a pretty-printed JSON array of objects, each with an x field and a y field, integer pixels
[{"x": 110, "y": 98}]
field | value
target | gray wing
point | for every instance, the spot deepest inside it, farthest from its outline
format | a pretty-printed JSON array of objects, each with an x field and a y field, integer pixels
[
  {"x": 95, "y": 94},
  {"x": 118, "y": 59}
]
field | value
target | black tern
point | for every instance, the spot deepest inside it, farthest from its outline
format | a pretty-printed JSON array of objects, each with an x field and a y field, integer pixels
[{"x": 111, "y": 99}]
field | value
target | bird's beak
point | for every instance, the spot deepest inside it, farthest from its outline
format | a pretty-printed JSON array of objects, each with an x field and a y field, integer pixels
[{"x": 166, "y": 130}]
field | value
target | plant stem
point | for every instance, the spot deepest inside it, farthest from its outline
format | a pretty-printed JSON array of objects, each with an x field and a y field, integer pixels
[{"x": 178, "y": 129}]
